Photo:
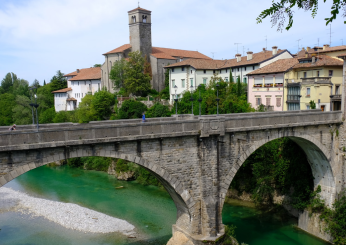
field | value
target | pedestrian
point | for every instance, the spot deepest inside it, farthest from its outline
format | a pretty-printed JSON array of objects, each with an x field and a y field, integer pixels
[
  {"x": 143, "y": 117},
  {"x": 12, "y": 128}
]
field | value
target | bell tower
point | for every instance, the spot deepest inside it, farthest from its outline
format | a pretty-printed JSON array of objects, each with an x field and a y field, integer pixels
[{"x": 140, "y": 30}]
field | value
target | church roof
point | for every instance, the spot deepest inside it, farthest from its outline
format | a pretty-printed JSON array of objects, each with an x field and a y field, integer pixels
[
  {"x": 164, "y": 53},
  {"x": 201, "y": 64},
  {"x": 93, "y": 73},
  {"x": 139, "y": 9},
  {"x": 119, "y": 49}
]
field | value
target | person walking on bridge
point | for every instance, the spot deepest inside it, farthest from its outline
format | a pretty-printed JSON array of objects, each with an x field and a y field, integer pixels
[
  {"x": 143, "y": 117},
  {"x": 12, "y": 128}
]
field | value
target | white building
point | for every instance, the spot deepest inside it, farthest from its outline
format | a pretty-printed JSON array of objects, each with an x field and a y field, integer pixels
[
  {"x": 79, "y": 83},
  {"x": 193, "y": 72}
]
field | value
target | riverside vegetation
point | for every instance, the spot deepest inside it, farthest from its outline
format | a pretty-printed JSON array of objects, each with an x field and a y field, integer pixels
[{"x": 280, "y": 166}]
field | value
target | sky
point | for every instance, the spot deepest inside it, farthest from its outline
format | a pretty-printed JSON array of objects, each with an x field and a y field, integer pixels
[{"x": 39, "y": 37}]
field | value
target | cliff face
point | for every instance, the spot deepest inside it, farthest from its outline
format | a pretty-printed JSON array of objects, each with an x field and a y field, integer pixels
[{"x": 128, "y": 175}]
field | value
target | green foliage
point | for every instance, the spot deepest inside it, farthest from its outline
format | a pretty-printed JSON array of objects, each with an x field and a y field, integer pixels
[
  {"x": 96, "y": 163},
  {"x": 117, "y": 73},
  {"x": 97, "y": 65},
  {"x": 164, "y": 94},
  {"x": 121, "y": 166},
  {"x": 7, "y": 83},
  {"x": 229, "y": 235},
  {"x": 144, "y": 177},
  {"x": 47, "y": 116},
  {"x": 102, "y": 103},
  {"x": 85, "y": 111},
  {"x": 63, "y": 116},
  {"x": 231, "y": 80},
  {"x": 22, "y": 111},
  {"x": 229, "y": 102},
  {"x": 7, "y": 102},
  {"x": 131, "y": 109},
  {"x": 136, "y": 81},
  {"x": 278, "y": 165},
  {"x": 75, "y": 162},
  {"x": 158, "y": 110},
  {"x": 279, "y": 11},
  {"x": 312, "y": 104}
]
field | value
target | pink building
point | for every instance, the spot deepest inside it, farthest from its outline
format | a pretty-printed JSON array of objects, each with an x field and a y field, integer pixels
[{"x": 266, "y": 85}]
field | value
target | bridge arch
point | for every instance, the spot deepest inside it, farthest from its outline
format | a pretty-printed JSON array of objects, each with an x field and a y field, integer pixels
[
  {"x": 172, "y": 184},
  {"x": 319, "y": 157}
]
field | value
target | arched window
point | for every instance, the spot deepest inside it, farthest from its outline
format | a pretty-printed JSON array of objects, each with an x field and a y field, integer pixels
[
  {"x": 144, "y": 17},
  {"x": 133, "y": 19}
]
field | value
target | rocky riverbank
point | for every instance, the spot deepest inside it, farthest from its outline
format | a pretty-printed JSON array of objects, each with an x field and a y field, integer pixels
[{"x": 69, "y": 215}]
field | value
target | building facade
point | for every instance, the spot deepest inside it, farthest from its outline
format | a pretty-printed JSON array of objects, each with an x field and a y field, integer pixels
[
  {"x": 188, "y": 74},
  {"x": 79, "y": 84},
  {"x": 140, "y": 40}
]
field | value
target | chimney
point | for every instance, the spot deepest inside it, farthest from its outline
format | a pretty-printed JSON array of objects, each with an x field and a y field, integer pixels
[
  {"x": 313, "y": 59},
  {"x": 325, "y": 46},
  {"x": 275, "y": 50},
  {"x": 308, "y": 48},
  {"x": 306, "y": 55},
  {"x": 238, "y": 56},
  {"x": 249, "y": 55},
  {"x": 77, "y": 70},
  {"x": 264, "y": 49}
]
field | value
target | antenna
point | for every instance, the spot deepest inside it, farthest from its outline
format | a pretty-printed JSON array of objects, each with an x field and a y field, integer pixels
[
  {"x": 213, "y": 54},
  {"x": 237, "y": 47},
  {"x": 330, "y": 35},
  {"x": 266, "y": 42},
  {"x": 138, "y": 4},
  {"x": 298, "y": 44},
  {"x": 243, "y": 51}
]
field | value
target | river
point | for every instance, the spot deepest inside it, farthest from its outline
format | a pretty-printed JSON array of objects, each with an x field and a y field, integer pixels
[{"x": 150, "y": 209}]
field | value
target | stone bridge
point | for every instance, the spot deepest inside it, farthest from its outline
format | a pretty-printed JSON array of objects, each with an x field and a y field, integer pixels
[{"x": 194, "y": 157}]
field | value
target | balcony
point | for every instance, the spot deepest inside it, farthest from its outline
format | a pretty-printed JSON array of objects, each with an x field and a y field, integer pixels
[
  {"x": 293, "y": 98},
  {"x": 335, "y": 97},
  {"x": 257, "y": 85},
  {"x": 267, "y": 85},
  {"x": 318, "y": 80},
  {"x": 278, "y": 85}
]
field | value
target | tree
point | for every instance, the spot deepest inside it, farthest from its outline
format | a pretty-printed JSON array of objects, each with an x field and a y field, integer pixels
[
  {"x": 147, "y": 68},
  {"x": 164, "y": 94},
  {"x": 58, "y": 81},
  {"x": 131, "y": 109},
  {"x": 7, "y": 102},
  {"x": 7, "y": 82},
  {"x": 20, "y": 87},
  {"x": 158, "y": 110},
  {"x": 85, "y": 113},
  {"x": 22, "y": 111},
  {"x": 35, "y": 84},
  {"x": 101, "y": 103},
  {"x": 117, "y": 73},
  {"x": 231, "y": 80},
  {"x": 44, "y": 82},
  {"x": 136, "y": 81},
  {"x": 312, "y": 104},
  {"x": 47, "y": 116},
  {"x": 284, "y": 8},
  {"x": 97, "y": 65}
]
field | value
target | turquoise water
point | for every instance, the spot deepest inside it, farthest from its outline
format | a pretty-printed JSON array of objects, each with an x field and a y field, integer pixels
[{"x": 150, "y": 209}]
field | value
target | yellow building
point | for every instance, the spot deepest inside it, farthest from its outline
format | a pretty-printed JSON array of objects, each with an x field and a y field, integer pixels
[{"x": 318, "y": 78}]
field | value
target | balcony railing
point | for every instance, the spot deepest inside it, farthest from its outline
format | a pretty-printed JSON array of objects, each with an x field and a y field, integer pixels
[
  {"x": 335, "y": 97},
  {"x": 293, "y": 98},
  {"x": 310, "y": 80}
]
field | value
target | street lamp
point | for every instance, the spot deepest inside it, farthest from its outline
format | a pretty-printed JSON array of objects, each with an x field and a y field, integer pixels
[
  {"x": 200, "y": 99},
  {"x": 191, "y": 99},
  {"x": 217, "y": 98},
  {"x": 176, "y": 100},
  {"x": 36, "y": 105},
  {"x": 32, "y": 105}
]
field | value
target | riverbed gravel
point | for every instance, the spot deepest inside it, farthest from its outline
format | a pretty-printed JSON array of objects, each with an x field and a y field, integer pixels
[{"x": 69, "y": 215}]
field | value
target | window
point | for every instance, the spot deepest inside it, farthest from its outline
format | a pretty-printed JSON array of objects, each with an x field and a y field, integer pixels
[
  {"x": 278, "y": 102},
  {"x": 204, "y": 71},
  {"x": 204, "y": 81},
  {"x": 253, "y": 67},
  {"x": 244, "y": 80},
  {"x": 307, "y": 91},
  {"x": 337, "y": 89},
  {"x": 245, "y": 68},
  {"x": 232, "y": 69},
  {"x": 90, "y": 86},
  {"x": 238, "y": 69},
  {"x": 267, "y": 101},
  {"x": 191, "y": 81},
  {"x": 308, "y": 107},
  {"x": 191, "y": 71},
  {"x": 293, "y": 106},
  {"x": 213, "y": 71},
  {"x": 78, "y": 83},
  {"x": 258, "y": 101},
  {"x": 330, "y": 73},
  {"x": 98, "y": 85},
  {"x": 173, "y": 83},
  {"x": 172, "y": 69},
  {"x": 183, "y": 68},
  {"x": 226, "y": 70},
  {"x": 84, "y": 82},
  {"x": 220, "y": 71},
  {"x": 183, "y": 83},
  {"x": 323, "y": 107},
  {"x": 318, "y": 73},
  {"x": 133, "y": 19},
  {"x": 226, "y": 79},
  {"x": 144, "y": 17},
  {"x": 304, "y": 74}
]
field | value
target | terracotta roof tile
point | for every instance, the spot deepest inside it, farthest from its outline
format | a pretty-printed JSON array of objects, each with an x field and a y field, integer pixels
[
  {"x": 71, "y": 74},
  {"x": 322, "y": 60},
  {"x": 119, "y": 49},
  {"x": 93, "y": 73},
  {"x": 330, "y": 49},
  {"x": 163, "y": 56},
  {"x": 256, "y": 58},
  {"x": 139, "y": 9},
  {"x": 207, "y": 64},
  {"x": 342, "y": 55},
  {"x": 64, "y": 90},
  {"x": 71, "y": 99},
  {"x": 276, "y": 67},
  {"x": 179, "y": 53}
]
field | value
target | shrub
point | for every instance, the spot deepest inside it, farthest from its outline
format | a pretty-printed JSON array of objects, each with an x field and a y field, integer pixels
[{"x": 131, "y": 109}]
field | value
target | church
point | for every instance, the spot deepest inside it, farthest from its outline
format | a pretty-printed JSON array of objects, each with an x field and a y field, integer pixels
[{"x": 140, "y": 40}]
